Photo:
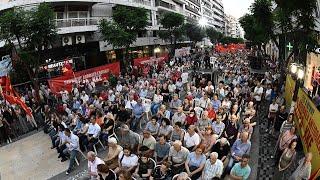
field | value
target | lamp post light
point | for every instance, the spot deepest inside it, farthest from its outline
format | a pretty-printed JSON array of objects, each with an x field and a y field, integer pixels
[
  {"x": 156, "y": 51},
  {"x": 297, "y": 71},
  {"x": 203, "y": 22}
]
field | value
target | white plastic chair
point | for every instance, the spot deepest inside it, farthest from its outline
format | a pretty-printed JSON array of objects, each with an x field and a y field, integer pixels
[
  {"x": 198, "y": 111},
  {"x": 99, "y": 142},
  {"x": 176, "y": 176},
  {"x": 76, "y": 159}
]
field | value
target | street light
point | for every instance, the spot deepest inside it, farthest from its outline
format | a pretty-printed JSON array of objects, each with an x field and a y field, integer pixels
[
  {"x": 294, "y": 68},
  {"x": 203, "y": 22},
  {"x": 157, "y": 50},
  {"x": 297, "y": 70},
  {"x": 300, "y": 73}
]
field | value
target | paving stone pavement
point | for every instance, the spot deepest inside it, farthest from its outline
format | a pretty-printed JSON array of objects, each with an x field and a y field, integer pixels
[{"x": 266, "y": 168}]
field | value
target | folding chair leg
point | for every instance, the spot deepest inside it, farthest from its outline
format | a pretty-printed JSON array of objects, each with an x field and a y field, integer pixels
[
  {"x": 77, "y": 162},
  {"x": 102, "y": 145},
  {"x": 82, "y": 154},
  {"x": 95, "y": 149}
]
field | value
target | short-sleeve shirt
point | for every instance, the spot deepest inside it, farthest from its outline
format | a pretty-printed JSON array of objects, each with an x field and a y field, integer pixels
[
  {"x": 237, "y": 170},
  {"x": 149, "y": 142},
  {"x": 178, "y": 156},
  {"x": 162, "y": 150},
  {"x": 196, "y": 161},
  {"x": 143, "y": 167},
  {"x": 126, "y": 161}
]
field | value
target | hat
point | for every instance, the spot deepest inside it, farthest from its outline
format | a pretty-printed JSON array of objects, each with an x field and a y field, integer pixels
[{"x": 112, "y": 140}]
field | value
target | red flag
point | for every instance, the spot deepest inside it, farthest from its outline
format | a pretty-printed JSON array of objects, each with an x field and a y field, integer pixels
[
  {"x": 67, "y": 69},
  {"x": 11, "y": 96}
]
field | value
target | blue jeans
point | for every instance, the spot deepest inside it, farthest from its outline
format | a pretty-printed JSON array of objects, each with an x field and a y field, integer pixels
[
  {"x": 73, "y": 155},
  {"x": 134, "y": 123},
  {"x": 231, "y": 162}
]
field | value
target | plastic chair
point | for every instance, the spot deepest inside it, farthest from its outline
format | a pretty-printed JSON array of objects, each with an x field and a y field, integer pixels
[
  {"x": 99, "y": 142},
  {"x": 115, "y": 175},
  {"x": 154, "y": 162},
  {"x": 176, "y": 176},
  {"x": 114, "y": 132}
]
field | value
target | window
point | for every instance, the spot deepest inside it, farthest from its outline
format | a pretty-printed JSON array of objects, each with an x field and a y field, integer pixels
[
  {"x": 83, "y": 14},
  {"x": 59, "y": 15},
  {"x": 73, "y": 14}
]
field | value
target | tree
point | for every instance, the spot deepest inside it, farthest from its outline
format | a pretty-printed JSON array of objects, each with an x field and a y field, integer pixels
[
  {"x": 214, "y": 35},
  {"x": 123, "y": 30},
  {"x": 34, "y": 32},
  {"x": 173, "y": 28},
  {"x": 194, "y": 32}
]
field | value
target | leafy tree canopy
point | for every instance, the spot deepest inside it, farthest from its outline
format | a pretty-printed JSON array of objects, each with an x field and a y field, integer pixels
[{"x": 127, "y": 23}]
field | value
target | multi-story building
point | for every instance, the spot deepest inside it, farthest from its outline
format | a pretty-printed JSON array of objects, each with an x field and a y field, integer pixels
[
  {"x": 77, "y": 22},
  {"x": 232, "y": 27}
]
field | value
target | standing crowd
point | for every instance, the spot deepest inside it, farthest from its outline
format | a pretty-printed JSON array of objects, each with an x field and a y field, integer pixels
[{"x": 169, "y": 123}]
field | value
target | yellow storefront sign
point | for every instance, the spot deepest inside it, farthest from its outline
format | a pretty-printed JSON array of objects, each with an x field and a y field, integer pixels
[
  {"x": 289, "y": 90},
  {"x": 307, "y": 118}
]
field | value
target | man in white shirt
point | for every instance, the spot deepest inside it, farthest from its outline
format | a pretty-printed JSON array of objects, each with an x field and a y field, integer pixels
[
  {"x": 184, "y": 77},
  {"x": 91, "y": 136},
  {"x": 179, "y": 116},
  {"x": 84, "y": 97},
  {"x": 64, "y": 95},
  {"x": 213, "y": 167},
  {"x": 130, "y": 103},
  {"x": 257, "y": 94},
  {"x": 72, "y": 148},
  {"x": 209, "y": 87},
  {"x": 191, "y": 138},
  {"x": 204, "y": 101},
  {"x": 119, "y": 87},
  {"x": 93, "y": 162}
]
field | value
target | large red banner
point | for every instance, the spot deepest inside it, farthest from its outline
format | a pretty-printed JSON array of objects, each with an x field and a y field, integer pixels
[
  {"x": 96, "y": 74},
  {"x": 151, "y": 60}
]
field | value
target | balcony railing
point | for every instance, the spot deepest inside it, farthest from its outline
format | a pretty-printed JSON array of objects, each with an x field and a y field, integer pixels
[{"x": 61, "y": 23}]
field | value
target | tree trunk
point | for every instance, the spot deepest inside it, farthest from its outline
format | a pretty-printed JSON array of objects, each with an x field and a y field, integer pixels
[{"x": 281, "y": 59}]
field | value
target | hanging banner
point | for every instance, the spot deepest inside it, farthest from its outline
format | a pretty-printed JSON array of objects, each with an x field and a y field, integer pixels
[
  {"x": 182, "y": 52},
  {"x": 289, "y": 90},
  {"x": 96, "y": 74},
  {"x": 307, "y": 118},
  {"x": 146, "y": 60}
]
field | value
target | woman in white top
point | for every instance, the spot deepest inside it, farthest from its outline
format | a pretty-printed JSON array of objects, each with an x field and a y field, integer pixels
[
  {"x": 273, "y": 109},
  {"x": 303, "y": 171},
  {"x": 127, "y": 160}
]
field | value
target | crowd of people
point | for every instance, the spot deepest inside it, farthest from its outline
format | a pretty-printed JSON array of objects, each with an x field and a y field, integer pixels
[{"x": 169, "y": 123}]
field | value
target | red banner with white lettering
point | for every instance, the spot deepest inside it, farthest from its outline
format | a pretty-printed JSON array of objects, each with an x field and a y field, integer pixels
[
  {"x": 151, "y": 60},
  {"x": 96, "y": 74}
]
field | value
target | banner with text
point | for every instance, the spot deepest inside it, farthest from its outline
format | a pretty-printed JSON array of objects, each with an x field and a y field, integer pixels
[
  {"x": 307, "y": 118},
  {"x": 289, "y": 90},
  {"x": 96, "y": 74}
]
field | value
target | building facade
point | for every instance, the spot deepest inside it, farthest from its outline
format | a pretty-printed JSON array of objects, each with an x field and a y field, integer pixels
[
  {"x": 77, "y": 22},
  {"x": 232, "y": 27}
]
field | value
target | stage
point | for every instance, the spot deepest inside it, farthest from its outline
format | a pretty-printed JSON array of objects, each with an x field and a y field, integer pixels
[{"x": 30, "y": 158}]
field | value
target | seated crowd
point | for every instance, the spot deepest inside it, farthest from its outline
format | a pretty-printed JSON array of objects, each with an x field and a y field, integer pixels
[{"x": 163, "y": 128}]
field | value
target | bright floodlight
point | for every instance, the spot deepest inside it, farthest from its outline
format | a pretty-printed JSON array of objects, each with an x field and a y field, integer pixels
[
  {"x": 203, "y": 21},
  {"x": 157, "y": 50},
  {"x": 294, "y": 68},
  {"x": 300, "y": 73}
]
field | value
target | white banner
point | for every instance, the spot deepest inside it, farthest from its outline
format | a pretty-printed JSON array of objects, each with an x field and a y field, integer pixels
[
  {"x": 182, "y": 52},
  {"x": 5, "y": 65}
]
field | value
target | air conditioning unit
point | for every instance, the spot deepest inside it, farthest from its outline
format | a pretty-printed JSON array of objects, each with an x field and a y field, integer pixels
[
  {"x": 80, "y": 39},
  {"x": 67, "y": 40}
]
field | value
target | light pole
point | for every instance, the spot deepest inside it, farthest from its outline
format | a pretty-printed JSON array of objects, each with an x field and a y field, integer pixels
[{"x": 297, "y": 71}]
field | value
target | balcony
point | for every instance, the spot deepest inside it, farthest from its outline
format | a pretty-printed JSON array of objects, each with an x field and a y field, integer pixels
[
  {"x": 192, "y": 9},
  {"x": 74, "y": 25},
  {"x": 196, "y": 2}
]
